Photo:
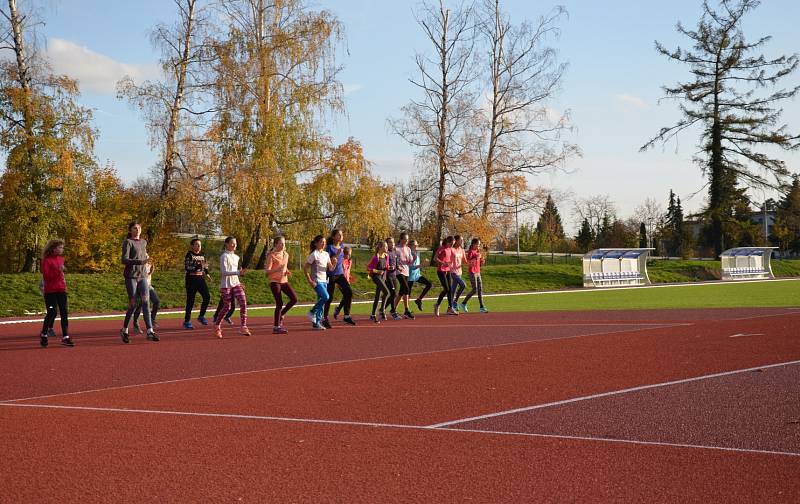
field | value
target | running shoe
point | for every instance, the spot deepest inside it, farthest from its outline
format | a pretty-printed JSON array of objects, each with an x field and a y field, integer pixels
[
  {"x": 218, "y": 331},
  {"x": 67, "y": 341},
  {"x": 454, "y": 307},
  {"x": 311, "y": 317},
  {"x": 396, "y": 316},
  {"x": 336, "y": 313},
  {"x": 349, "y": 320},
  {"x": 419, "y": 304},
  {"x": 137, "y": 329},
  {"x": 484, "y": 309},
  {"x": 451, "y": 311},
  {"x": 318, "y": 327},
  {"x": 152, "y": 336},
  {"x": 228, "y": 320},
  {"x": 436, "y": 310},
  {"x": 43, "y": 340},
  {"x": 245, "y": 331},
  {"x": 464, "y": 307},
  {"x": 279, "y": 330},
  {"x": 373, "y": 318},
  {"x": 409, "y": 315},
  {"x": 326, "y": 323},
  {"x": 202, "y": 320},
  {"x": 123, "y": 333},
  {"x": 188, "y": 325}
]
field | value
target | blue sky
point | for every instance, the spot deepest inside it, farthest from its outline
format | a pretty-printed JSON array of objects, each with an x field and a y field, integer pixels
[{"x": 612, "y": 85}]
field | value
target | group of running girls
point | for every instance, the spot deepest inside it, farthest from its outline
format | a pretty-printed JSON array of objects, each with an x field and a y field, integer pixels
[{"x": 394, "y": 269}]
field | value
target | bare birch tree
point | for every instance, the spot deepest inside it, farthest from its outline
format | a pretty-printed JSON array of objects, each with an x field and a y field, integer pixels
[
  {"x": 436, "y": 124},
  {"x": 171, "y": 106},
  {"x": 519, "y": 136}
]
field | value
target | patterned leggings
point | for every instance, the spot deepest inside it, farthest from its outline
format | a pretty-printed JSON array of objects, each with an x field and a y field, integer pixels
[{"x": 227, "y": 295}]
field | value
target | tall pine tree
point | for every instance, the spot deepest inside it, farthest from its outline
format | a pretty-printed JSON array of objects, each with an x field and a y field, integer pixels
[
  {"x": 736, "y": 123},
  {"x": 585, "y": 236},
  {"x": 787, "y": 219}
]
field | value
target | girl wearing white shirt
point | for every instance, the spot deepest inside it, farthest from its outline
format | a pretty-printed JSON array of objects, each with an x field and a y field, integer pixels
[
  {"x": 230, "y": 287},
  {"x": 316, "y": 269}
]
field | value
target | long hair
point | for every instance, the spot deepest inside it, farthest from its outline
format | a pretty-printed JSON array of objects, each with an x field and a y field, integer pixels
[
  {"x": 130, "y": 226},
  {"x": 315, "y": 241},
  {"x": 474, "y": 242},
  {"x": 51, "y": 247},
  {"x": 333, "y": 233},
  {"x": 448, "y": 242},
  {"x": 276, "y": 241}
]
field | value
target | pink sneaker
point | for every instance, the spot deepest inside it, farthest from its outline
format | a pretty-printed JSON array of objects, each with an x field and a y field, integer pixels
[
  {"x": 244, "y": 330},
  {"x": 218, "y": 331}
]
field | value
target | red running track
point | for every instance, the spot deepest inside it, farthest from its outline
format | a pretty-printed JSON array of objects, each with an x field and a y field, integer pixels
[{"x": 138, "y": 441}]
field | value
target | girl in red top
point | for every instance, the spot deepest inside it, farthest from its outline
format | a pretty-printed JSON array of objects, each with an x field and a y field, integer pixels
[
  {"x": 444, "y": 261},
  {"x": 475, "y": 260},
  {"x": 55, "y": 292}
]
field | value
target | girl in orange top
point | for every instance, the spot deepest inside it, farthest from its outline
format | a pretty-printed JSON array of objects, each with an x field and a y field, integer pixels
[{"x": 277, "y": 270}]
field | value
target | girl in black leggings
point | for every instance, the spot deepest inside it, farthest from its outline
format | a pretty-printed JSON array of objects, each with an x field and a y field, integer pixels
[
  {"x": 377, "y": 273},
  {"x": 444, "y": 261},
  {"x": 54, "y": 288},
  {"x": 196, "y": 268}
]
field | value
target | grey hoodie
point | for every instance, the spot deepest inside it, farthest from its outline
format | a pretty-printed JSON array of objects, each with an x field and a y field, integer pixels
[{"x": 134, "y": 257}]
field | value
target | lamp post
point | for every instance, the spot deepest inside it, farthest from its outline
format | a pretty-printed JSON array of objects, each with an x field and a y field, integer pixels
[{"x": 516, "y": 217}]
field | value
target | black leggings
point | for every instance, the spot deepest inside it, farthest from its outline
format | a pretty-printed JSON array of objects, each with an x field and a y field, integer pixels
[
  {"x": 155, "y": 305},
  {"x": 347, "y": 293},
  {"x": 195, "y": 284},
  {"x": 56, "y": 302},
  {"x": 381, "y": 292},
  {"x": 392, "y": 286},
  {"x": 424, "y": 281},
  {"x": 444, "y": 279}
]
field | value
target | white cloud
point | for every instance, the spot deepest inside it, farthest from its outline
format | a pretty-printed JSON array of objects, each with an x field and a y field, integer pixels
[
  {"x": 94, "y": 71},
  {"x": 352, "y": 88},
  {"x": 633, "y": 101}
]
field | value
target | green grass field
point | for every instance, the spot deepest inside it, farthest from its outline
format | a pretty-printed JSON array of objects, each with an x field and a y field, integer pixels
[{"x": 100, "y": 293}]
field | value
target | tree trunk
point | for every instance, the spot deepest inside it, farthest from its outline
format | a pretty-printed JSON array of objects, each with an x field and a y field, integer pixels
[
  {"x": 27, "y": 114},
  {"x": 442, "y": 150},
  {"x": 255, "y": 238},
  {"x": 716, "y": 174},
  {"x": 172, "y": 128},
  {"x": 262, "y": 259}
]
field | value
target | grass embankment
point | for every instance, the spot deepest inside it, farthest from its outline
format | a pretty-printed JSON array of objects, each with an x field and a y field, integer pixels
[{"x": 105, "y": 292}]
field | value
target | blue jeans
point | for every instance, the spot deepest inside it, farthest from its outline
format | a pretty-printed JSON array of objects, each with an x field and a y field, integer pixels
[
  {"x": 457, "y": 286},
  {"x": 322, "y": 297}
]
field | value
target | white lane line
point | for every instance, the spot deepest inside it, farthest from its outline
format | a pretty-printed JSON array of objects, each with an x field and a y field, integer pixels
[
  {"x": 209, "y": 415},
  {"x": 406, "y": 326},
  {"x": 331, "y": 363},
  {"x": 745, "y": 335},
  {"x": 507, "y": 294},
  {"x": 607, "y": 394},
  {"x": 629, "y": 441},
  {"x": 396, "y": 426}
]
